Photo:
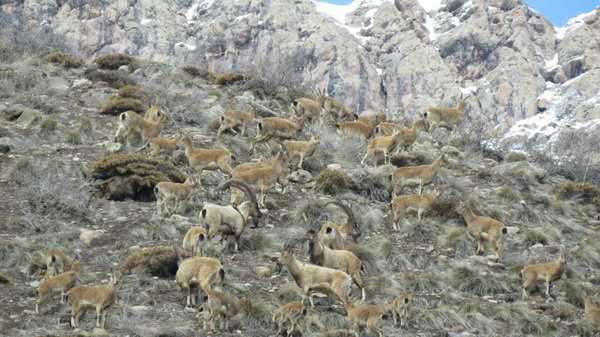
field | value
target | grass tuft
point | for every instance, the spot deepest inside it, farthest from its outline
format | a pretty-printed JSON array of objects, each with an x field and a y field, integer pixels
[
  {"x": 116, "y": 105},
  {"x": 333, "y": 182},
  {"x": 64, "y": 59},
  {"x": 114, "y": 61}
]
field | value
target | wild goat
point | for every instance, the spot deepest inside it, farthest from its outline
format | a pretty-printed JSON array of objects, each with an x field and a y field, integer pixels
[
  {"x": 100, "y": 298},
  {"x": 448, "y": 117},
  {"x": 340, "y": 236},
  {"x": 421, "y": 175},
  {"x": 399, "y": 308},
  {"x": 201, "y": 159},
  {"x": 194, "y": 239},
  {"x": 307, "y": 108},
  {"x": 175, "y": 193},
  {"x": 62, "y": 282},
  {"x": 132, "y": 123},
  {"x": 332, "y": 108},
  {"x": 371, "y": 120},
  {"x": 343, "y": 260},
  {"x": 402, "y": 204},
  {"x": 592, "y": 311},
  {"x": 155, "y": 114},
  {"x": 276, "y": 127},
  {"x": 409, "y": 135},
  {"x": 384, "y": 144},
  {"x": 198, "y": 271},
  {"x": 231, "y": 220},
  {"x": 354, "y": 128},
  {"x": 57, "y": 262},
  {"x": 483, "y": 229},
  {"x": 162, "y": 145},
  {"x": 234, "y": 119},
  {"x": 386, "y": 128},
  {"x": 301, "y": 149},
  {"x": 265, "y": 176},
  {"x": 219, "y": 306},
  {"x": 366, "y": 315},
  {"x": 547, "y": 272},
  {"x": 310, "y": 277},
  {"x": 290, "y": 314}
]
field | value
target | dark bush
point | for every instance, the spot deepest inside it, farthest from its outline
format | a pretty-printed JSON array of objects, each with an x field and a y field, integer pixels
[
  {"x": 114, "y": 61},
  {"x": 114, "y": 79},
  {"x": 64, "y": 59},
  {"x": 115, "y": 105}
]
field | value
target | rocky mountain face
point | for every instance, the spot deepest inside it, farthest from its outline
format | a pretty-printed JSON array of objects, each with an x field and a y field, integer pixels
[{"x": 508, "y": 61}]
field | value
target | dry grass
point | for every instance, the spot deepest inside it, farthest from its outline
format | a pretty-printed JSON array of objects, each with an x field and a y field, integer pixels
[
  {"x": 520, "y": 319},
  {"x": 133, "y": 91},
  {"x": 65, "y": 60},
  {"x": 586, "y": 192},
  {"x": 195, "y": 71},
  {"x": 479, "y": 283},
  {"x": 116, "y": 105},
  {"x": 160, "y": 261},
  {"x": 333, "y": 182},
  {"x": 114, "y": 61},
  {"x": 73, "y": 137},
  {"x": 49, "y": 125},
  {"x": 227, "y": 78},
  {"x": 114, "y": 79},
  {"x": 515, "y": 156},
  {"x": 535, "y": 236}
]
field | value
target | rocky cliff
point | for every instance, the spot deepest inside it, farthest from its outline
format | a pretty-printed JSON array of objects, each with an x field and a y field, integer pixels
[{"x": 514, "y": 68}]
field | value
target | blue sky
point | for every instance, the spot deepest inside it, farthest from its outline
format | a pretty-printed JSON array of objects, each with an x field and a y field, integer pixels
[{"x": 558, "y": 11}]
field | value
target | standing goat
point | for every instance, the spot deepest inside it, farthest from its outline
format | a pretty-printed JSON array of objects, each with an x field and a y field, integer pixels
[
  {"x": 402, "y": 204},
  {"x": 276, "y": 127},
  {"x": 416, "y": 175},
  {"x": 175, "y": 193},
  {"x": 384, "y": 144},
  {"x": 231, "y": 220},
  {"x": 483, "y": 229},
  {"x": 310, "y": 277},
  {"x": 301, "y": 149},
  {"x": 592, "y": 311},
  {"x": 340, "y": 236},
  {"x": 62, "y": 282},
  {"x": 367, "y": 315},
  {"x": 198, "y": 271},
  {"x": 57, "y": 262},
  {"x": 547, "y": 272},
  {"x": 343, "y": 260},
  {"x": 233, "y": 119},
  {"x": 399, "y": 308},
  {"x": 265, "y": 176},
  {"x": 219, "y": 306},
  {"x": 291, "y": 314},
  {"x": 100, "y": 298},
  {"x": 201, "y": 159},
  {"x": 449, "y": 117},
  {"x": 193, "y": 240}
]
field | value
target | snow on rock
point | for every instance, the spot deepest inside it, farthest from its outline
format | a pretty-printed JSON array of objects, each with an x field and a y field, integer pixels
[
  {"x": 197, "y": 6},
  {"x": 572, "y": 24},
  {"x": 553, "y": 63},
  {"x": 430, "y": 5}
]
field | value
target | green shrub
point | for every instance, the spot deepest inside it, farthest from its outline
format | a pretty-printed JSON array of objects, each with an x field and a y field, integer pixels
[
  {"x": 115, "y": 105},
  {"x": 65, "y": 60},
  {"x": 535, "y": 236},
  {"x": 114, "y": 61},
  {"x": 73, "y": 137}
]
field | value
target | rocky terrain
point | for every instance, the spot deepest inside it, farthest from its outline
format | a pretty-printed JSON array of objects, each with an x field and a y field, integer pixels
[{"x": 57, "y": 119}]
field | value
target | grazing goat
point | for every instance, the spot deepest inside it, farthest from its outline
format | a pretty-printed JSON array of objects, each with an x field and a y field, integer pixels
[
  {"x": 231, "y": 220},
  {"x": 100, "y": 298},
  {"x": 402, "y": 204},
  {"x": 354, "y": 128},
  {"x": 547, "y": 272},
  {"x": 310, "y": 277},
  {"x": 483, "y": 229},
  {"x": 289, "y": 314},
  {"x": 201, "y": 159},
  {"x": 233, "y": 119},
  {"x": 448, "y": 117},
  {"x": 62, "y": 282},
  {"x": 219, "y": 306},
  {"x": 399, "y": 308},
  {"x": 343, "y": 260},
  {"x": 421, "y": 175},
  {"x": 301, "y": 149},
  {"x": 176, "y": 193},
  {"x": 194, "y": 239},
  {"x": 198, "y": 271},
  {"x": 592, "y": 311},
  {"x": 366, "y": 315}
]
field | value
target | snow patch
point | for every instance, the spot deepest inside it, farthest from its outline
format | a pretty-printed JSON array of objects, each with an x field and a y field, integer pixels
[
  {"x": 572, "y": 24},
  {"x": 553, "y": 63},
  {"x": 192, "y": 13},
  {"x": 430, "y": 5},
  {"x": 145, "y": 21},
  {"x": 379, "y": 71},
  {"x": 469, "y": 90},
  {"x": 430, "y": 24},
  {"x": 185, "y": 45}
]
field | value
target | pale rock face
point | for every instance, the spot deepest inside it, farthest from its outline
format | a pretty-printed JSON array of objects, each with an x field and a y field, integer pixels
[{"x": 503, "y": 58}]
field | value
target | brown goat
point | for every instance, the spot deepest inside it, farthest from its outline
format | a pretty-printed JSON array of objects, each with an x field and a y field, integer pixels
[
  {"x": 547, "y": 272},
  {"x": 483, "y": 229}
]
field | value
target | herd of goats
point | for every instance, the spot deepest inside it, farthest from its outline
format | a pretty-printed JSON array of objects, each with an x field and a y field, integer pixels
[{"x": 333, "y": 268}]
